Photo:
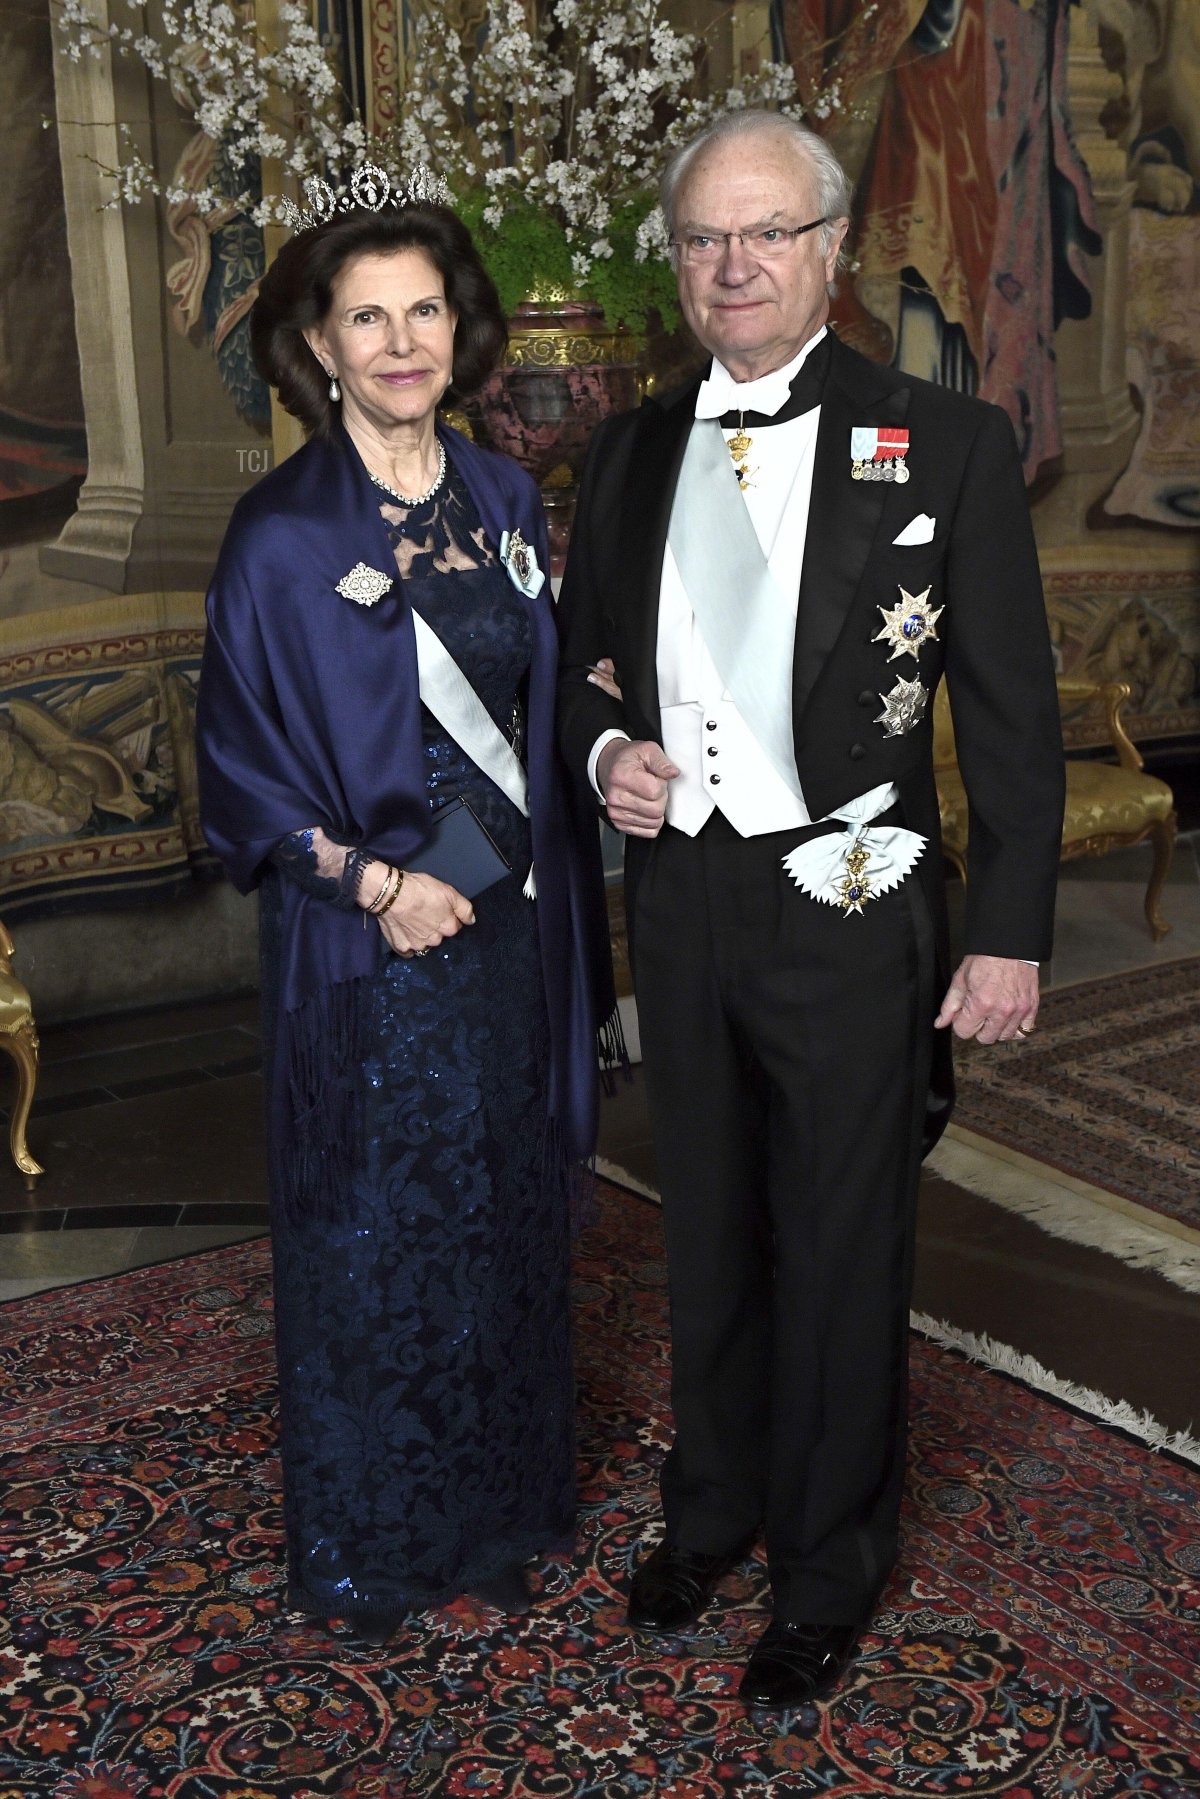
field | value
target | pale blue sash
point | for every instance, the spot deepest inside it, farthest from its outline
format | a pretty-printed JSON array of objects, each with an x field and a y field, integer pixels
[{"x": 460, "y": 711}]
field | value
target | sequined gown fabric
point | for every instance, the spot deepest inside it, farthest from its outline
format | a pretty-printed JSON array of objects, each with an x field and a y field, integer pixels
[{"x": 426, "y": 1396}]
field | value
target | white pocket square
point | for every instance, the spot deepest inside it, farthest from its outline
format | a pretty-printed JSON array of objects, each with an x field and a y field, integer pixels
[{"x": 918, "y": 530}]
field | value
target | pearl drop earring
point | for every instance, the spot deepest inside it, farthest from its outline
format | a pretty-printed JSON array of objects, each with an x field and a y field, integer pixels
[{"x": 335, "y": 392}]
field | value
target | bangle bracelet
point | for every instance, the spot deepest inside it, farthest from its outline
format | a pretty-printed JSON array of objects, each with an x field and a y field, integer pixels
[
  {"x": 393, "y": 896},
  {"x": 385, "y": 896},
  {"x": 384, "y": 891}
]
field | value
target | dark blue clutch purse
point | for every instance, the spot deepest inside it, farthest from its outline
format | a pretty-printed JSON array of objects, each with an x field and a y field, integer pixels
[{"x": 460, "y": 851}]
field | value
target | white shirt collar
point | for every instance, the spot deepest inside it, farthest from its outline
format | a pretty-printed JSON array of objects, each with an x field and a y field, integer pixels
[{"x": 721, "y": 393}]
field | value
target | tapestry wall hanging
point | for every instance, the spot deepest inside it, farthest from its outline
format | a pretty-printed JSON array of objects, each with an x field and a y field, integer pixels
[{"x": 98, "y": 801}]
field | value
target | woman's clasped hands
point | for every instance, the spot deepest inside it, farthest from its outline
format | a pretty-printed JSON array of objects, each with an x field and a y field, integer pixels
[{"x": 424, "y": 912}]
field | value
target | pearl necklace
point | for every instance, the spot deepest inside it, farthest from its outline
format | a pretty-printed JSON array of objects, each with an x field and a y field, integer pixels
[{"x": 403, "y": 498}]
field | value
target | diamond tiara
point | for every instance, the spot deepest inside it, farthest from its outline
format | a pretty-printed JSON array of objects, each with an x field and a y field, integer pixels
[{"x": 370, "y": 187}]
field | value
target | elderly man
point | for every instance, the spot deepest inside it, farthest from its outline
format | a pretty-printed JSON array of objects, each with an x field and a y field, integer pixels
[{"x": 781, "y": 560}]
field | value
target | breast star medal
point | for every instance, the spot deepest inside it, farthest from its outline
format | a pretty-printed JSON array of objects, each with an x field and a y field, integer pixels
[
  {"x": 903, "y": 707},
  {"x": 909, "y": 625},
  {"x": 740, "y": 446},
  {"x": 854, "y": 889},
  {"x": 877, "y": 452}
]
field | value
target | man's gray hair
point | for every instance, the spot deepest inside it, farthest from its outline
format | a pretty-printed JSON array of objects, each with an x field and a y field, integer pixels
[{"x": 832, "y": 184}]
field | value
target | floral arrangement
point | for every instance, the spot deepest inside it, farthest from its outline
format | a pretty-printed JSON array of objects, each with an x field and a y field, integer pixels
[
  {"x": 252, "y": 101},
  {"x": 552, "y": 128},
  {"x": 550, "y": 125}
]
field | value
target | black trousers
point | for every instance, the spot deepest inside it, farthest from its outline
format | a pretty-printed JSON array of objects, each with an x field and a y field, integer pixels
[{"x": 787, "y": 1050}]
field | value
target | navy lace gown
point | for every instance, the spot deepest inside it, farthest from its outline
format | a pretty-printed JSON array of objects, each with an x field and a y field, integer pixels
[{"x": 426, "y": 1394}]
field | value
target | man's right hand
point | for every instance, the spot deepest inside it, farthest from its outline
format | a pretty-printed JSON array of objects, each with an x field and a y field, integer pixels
[{"x": 633, "y": 779}]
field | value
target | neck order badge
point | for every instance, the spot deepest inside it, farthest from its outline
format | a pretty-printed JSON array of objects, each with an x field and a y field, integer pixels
[
  {"x": 877, "y": 452},
  {"x": 739, "y": 447}
]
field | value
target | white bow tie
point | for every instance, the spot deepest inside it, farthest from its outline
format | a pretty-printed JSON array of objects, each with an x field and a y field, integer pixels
[{"x": 721, "y": 393}]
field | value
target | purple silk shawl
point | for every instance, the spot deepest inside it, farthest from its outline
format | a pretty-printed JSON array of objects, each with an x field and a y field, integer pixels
[{"x": 309, "y": 714}]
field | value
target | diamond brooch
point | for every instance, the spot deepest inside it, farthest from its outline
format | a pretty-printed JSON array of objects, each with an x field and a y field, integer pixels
[{"x": 364, "y": 584}]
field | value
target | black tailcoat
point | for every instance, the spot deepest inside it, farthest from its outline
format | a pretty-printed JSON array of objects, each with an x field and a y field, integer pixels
[
  {"x": 787, "y": 1047},
  {"x": 993, "y": 642}
]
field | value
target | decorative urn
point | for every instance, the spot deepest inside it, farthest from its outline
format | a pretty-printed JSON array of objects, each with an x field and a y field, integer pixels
[{"x": 564, "y": 371}]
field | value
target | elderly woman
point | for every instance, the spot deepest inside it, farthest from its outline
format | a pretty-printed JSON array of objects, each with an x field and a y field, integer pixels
[{"x": 381, "y": 648}]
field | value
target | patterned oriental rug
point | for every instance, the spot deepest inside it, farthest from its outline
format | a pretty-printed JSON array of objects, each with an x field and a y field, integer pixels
[
  {"x": 1104, "y": 1101},
  {"x": 1041, "y": 1636}
]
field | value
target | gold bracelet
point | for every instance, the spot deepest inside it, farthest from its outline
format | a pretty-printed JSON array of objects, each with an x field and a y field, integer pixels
[
  {"x": 393, "y": 895},
  {"x": 383, "y": 891},
  {"x": 394, "y": 888},
  {"x": 384, "y": 895}
]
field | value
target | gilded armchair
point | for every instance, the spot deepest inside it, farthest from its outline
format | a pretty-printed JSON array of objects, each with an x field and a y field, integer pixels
[
  {"x": 18, "y": 1036},
  {"x": 1108, "y": 807}
]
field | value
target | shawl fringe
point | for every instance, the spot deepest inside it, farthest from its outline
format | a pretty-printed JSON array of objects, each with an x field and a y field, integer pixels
[
  {"x": 326, "y": 1040},
  {"x": 322, "y": 1136},
  {"x": 611, "y": 1052}
]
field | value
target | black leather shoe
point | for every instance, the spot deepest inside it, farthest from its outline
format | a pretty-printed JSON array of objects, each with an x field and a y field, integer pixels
[
  {"x": 508, "y": 1591},
  {"x": 672, "y": 1586},
  {"x": 792, "y": 1664}
]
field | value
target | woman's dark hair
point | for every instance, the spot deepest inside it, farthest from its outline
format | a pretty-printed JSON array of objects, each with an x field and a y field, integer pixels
[{"x": 296, "y": 293}]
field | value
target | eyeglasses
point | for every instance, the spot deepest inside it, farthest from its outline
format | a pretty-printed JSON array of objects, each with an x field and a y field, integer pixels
[{"x": 768, "y": 242}]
